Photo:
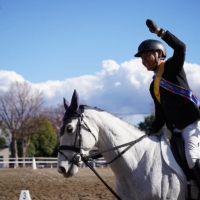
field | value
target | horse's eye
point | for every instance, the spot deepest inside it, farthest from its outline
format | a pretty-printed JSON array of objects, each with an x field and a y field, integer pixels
[{"x": 69, "y": 128}]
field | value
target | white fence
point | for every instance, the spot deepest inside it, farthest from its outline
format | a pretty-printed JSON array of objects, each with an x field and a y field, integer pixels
[
  {"x": 41, "y": 162},
  {"x": 29, "y": 162}
]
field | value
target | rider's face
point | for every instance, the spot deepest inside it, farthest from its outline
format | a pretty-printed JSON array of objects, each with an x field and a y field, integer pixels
[{"x": 148, "y": 60}]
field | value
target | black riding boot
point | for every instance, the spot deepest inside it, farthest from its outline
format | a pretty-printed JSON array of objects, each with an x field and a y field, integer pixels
[{"x": 196, "y": 172}]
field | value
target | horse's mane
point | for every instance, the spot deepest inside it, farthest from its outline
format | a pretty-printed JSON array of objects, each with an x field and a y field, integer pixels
[{"x": 100, "y": 110}]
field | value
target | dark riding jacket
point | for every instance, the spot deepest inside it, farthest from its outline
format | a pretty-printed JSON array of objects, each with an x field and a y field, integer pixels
[{"x": 174, "y": 110}]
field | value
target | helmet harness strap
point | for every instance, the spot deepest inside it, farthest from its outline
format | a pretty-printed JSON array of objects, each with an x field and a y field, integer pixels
[{"x": 156, "y": 59}]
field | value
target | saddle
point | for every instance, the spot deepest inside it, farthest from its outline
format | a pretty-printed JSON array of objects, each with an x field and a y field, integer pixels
[
  {"x": 174, "y": 140},
  {"x": 178, "y": 150}
]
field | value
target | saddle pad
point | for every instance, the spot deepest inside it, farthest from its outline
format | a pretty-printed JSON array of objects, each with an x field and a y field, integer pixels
[{"x": 170, "y": 160}]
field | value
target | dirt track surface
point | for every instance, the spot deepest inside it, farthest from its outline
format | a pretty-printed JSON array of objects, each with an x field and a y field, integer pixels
[{"x": 48, "y": 184}]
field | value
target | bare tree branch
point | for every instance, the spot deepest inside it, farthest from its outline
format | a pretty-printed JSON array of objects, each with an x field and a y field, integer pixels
[{"x": 19, "y": 105}]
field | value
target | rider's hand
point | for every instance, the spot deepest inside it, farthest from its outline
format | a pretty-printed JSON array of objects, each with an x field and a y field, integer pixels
[
  {"x": 151, "y": 25},
  {"x": 149, "y": 130}
]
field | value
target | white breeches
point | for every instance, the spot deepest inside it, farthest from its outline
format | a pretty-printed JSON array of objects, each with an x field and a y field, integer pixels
[{"x": 191, "y": 137}]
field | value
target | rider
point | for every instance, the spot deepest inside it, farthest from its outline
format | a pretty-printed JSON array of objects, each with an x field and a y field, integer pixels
[{"x": 170, "y": 92}]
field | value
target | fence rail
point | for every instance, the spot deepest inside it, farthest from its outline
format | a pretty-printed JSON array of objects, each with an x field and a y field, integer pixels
[
  {"x": 28, "y": 162},
  {"x": 40, "y": 162}
]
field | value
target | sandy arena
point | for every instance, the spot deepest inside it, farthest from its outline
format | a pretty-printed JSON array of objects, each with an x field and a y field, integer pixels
[{"x": 48, "y": 184}]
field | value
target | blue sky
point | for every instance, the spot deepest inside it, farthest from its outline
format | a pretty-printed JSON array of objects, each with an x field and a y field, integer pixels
[{"x": 48, "y": 42}]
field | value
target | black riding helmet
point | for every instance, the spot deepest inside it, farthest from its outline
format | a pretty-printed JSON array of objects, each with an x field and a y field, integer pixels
[{"x": 151, "y": 45}]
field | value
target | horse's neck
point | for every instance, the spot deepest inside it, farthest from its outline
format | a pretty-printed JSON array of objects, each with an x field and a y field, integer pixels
[
  {"x": 112, "y": 128},
  {"x": 113, "y": 131}
]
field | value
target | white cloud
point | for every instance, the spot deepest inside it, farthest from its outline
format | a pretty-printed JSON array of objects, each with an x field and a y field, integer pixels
[
  {"x": 6, "y": 77},
  {"x": 110, "y": 66},
  {"x": 117, "y": 83},
  {"x": 193, "y": 72},
  {"x": 118, "y": 88},
  {"x": 54, "y": 91}
]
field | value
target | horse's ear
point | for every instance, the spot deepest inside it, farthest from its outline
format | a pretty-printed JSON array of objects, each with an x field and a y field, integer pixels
[
  {"x": 75, "y": 101},
  {"x": 66, "y": 104}
]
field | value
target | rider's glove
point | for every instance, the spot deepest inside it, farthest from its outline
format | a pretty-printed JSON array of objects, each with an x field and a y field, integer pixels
[{"x": 151, "y": 25}]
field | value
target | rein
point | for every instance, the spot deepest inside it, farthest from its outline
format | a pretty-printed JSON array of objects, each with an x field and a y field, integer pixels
[
  {"x": 86, "y": 158},
  {"x": 117, "y": 147},
  {"x": 92, "y": 168}
]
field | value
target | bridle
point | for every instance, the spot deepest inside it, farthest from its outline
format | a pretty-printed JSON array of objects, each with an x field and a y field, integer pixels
[
  {"x": 78, "y": 137},
  {"x": 75, "y": 161}
]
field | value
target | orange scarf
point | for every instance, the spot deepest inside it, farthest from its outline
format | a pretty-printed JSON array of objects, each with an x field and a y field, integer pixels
[{"x": 157, "y": 80}]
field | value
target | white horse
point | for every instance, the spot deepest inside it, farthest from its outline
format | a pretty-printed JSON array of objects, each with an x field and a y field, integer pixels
[{"x": 140, "y": 173}]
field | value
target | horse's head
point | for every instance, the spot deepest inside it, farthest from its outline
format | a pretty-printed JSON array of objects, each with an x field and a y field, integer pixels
[{"x": 76, "y": 139}]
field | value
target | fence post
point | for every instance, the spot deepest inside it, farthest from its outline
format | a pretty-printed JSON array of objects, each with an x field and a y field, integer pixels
[
  {"x": 33, "y": 163},
  {"x": 94, "y": 164}
]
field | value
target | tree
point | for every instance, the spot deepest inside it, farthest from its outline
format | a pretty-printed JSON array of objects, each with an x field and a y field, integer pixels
[
  {"x": 55, "y": 115},
  {"x": 4, "y": 132},
  {"x": 19, "y": 105},
  {"x": 2, "y": 141},
  {"x": 147, "y": 122},
  {"x": 44, "y": 141},
  {"x": 35, "y": 126}
]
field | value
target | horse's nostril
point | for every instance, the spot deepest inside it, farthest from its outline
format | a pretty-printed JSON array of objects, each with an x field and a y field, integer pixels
[{"x": 62, "y": 170}]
